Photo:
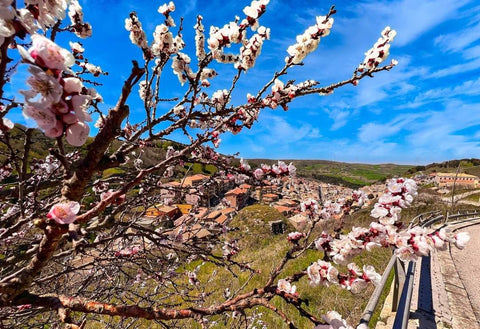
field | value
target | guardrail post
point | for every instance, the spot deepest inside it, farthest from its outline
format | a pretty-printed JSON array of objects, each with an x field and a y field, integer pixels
[{"x": 399, "y": 269}]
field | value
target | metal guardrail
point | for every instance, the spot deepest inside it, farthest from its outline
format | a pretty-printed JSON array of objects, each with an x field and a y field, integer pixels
[
  {"x": 402, "y": 295},
  {"x": 374, "y": 299}
]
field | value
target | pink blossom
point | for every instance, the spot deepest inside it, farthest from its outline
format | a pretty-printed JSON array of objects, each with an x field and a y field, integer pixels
[
  {"x": 244, "y": 164},
  {"x": 79, "y": 104},
  {"x": 69, "y": 118},
  {"x": 76, "y": 47},
  {"x": 166, "y": 9},
  {"x": 6, "y": 124},
  {"x": 72, "y": 85},
  {"x": 321, "y": 272},
  {"x": 379, "y": 211},
  {"x": 24, "y": 307},
  {"x": 60, "y": 108},
  {"x": 48, "y": 54},
  {"x": 405, "y": 254},
  {"x": 295, "y": 236},
  {"x": 137, "y": 34},
  {"x": 421, "y": 245},
  {"x": 43, "y": 84},
  {"x": 75, "y": 12},
  {"x": 334, "y": 320},
  {"x": 309, "y": 40},
  {"x": 128, "y": 251},
  {"x": 55, "y": 131},
  {"x": 285, "y": 286},
  {"x": 43, "y": 116},
  {"x": 65, "y": 212},
  {"x": 93, "y": 69},
  {"x": 379, "y": 52},
  {"x": 77, "y": 134},
  {"x": 357, "y": 285},
  {"x": 461, "y": 239},
  {"x": 354, "y": 269},
  {"x": 28, "y": 20},
  {"x": 258, "y": 173},
  {"x": 323, "y": 241},
  {"x": 369, "y": 274}
]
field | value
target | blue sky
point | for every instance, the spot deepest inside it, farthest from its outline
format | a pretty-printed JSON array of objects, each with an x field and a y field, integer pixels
[{"x": 426, "y": 109}]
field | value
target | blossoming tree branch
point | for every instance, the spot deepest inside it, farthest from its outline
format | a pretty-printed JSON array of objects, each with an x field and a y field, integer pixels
[{"x": 71, "y": 244}]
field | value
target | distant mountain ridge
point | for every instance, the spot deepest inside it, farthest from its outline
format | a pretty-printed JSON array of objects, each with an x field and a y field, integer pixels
[{"x": 339, "y": 173}]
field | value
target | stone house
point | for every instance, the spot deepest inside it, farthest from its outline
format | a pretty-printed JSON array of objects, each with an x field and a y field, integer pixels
[{"x": 461, "y": 180}]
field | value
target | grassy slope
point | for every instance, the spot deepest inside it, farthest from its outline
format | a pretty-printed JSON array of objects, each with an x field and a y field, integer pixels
[{"x": 264, "y": 251}]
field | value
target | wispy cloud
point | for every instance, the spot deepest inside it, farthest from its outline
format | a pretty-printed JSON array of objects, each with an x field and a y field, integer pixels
[
  {"x": 371, "y": 132},
  {"x": 339, "y": 116},
  {"x": 472, "y": 53},
  {"x": 442, "y": 125},
  {"x": 410, "y": 18},
  {"x": 459, "y": 40},
  {"x": 456, "y": 69},
  {"x": 467, "y": 88}
]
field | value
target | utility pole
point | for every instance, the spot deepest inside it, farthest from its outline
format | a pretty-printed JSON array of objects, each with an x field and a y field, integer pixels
[{"x": 454, "y": 182}]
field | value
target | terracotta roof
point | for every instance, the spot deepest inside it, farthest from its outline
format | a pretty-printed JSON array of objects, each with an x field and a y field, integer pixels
[
  {"x": 201, "y": 212},
  {"x": 270, "y": 195},
  {"x": 282, "y": 209},
  {"x": 228, "y": 211},
  {"x": 218, "y": 213},
  {"x": 236, "y": 191},
  {"x": 214, "y": 214},
  {"x": 189, "y": 180},
  {"x": 287, "y": 203},
  {"x": 181, "y": 220},
  {"x": 222, "y": 219}
]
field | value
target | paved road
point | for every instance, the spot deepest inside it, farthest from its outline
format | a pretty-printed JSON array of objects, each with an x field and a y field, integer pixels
[{"x": 467, "y": 263}]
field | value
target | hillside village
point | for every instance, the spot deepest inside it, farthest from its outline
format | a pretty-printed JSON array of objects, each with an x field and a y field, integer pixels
[{"x": 207, "y": 204}]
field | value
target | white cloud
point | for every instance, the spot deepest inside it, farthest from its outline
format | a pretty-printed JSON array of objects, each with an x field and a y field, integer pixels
[
  {"x": 411, "y": 18},
  {"x": 339, "y": 116},
  {"x": 472, "y": 53},
  {"x": 442, "y": 127},
  {"x": 458, "y": 40},
  {"x": 467, "y": 88},
  {"x": 455, "y": 69},
  {"x": 371, "y": 132},
  {"x": 276, "y": 130}
]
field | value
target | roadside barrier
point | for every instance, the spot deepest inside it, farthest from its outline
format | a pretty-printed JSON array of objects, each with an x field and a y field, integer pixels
[{"x": 403, "y": 279}]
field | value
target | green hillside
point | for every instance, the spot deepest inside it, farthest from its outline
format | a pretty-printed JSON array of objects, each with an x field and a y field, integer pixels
[{"x": 468, "y": 166}]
